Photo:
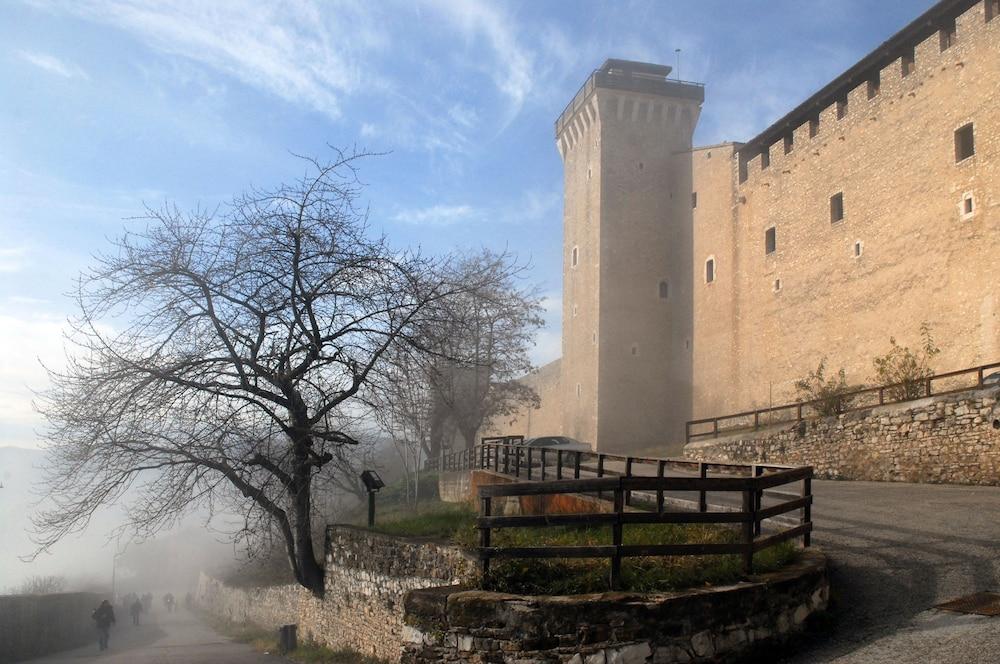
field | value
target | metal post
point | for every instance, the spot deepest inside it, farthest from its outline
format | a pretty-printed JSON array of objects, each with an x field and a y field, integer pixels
[
  {"x": 600, "y": 470},
  {"x": 576, "y": 467},
  {"x": 506, "y": 459},
  {"x": 530, "y": 462},
  {"x": 628, "y": 473},
  {"x": 371, "y": 510},
  {"x": 660, "y": 468},
  {"x": 517, "y": 461},
  {"x": 543, "y": 463},
  {"x": 559, "y": 464},
  {"x": 757, "y": 471}
]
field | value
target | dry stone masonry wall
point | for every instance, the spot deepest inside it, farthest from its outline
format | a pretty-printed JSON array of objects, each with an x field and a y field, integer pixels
[
  {"x": 709, "y": 625},
  {"x": 33, "y": 625},
  {"x": 948, "y": 439}
]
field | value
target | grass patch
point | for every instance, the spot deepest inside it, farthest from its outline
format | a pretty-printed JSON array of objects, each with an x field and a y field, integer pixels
[{"x": 456, "y": 522}]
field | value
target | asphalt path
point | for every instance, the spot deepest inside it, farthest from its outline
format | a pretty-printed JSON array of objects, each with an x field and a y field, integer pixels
[{"x": 174, "y": 638}]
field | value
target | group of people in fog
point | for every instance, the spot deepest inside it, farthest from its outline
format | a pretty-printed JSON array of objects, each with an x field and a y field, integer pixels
[{"x": 135, "y": 606}]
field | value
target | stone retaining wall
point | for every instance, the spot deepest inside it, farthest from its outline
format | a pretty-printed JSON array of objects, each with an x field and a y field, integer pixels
[
  {"x": 701, "y": 625},
  {"x": 947, "y": 439},
  {"x": 367, "y": 575},
  {"x": 33, "y": 625}
]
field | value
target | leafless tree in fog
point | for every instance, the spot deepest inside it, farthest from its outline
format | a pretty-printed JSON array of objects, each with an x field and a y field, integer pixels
[
  {"x": 219, "y": 357},
  {"x": 481, "y": 338}
]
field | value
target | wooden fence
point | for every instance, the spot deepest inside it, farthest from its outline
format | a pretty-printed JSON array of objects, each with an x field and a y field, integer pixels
[
  {"x": 936, "y": 385},
  {"x": 749, "y": 518}
]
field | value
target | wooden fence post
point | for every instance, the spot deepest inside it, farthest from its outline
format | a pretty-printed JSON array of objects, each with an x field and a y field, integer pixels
[
  {"x": 517, "y": 461},
  {"x": 543, "y": 463},
  {"x": 616, "y": 538},
  {"x": 576, "y": 466},
  {"x": 748, "y": 510},
  {"x": 758, "y": 497},
  {"x": 628, "y": 473},
  {"x": 506, "y": 459},
  {"x": 484, "y": 537},
  {"x": 530, "y": 463},
  {"x": 660, "y": 468},
  {"x": 702, "y": 495},
  {"x": 600, "y": 471},
  {"x": 559, "y": 464},
  {"x": 806, "y": 515}
]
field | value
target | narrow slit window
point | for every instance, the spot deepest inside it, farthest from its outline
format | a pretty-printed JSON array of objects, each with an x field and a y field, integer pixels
[
  {"x": 947, "y": 34},
  {"x": 576, "y": 257},
  {"x": 777, "y": 285},
  {"x": 765, "y": 158},
  {"x": 664, "y": 290},
  {"x": 858, "y": 249},
  {"x": 842, "y": 108},
  {"x": 965, "y": 142},
  {"x": 967, "y": 206},
  {"x": 770, "y": 240},
  {"x": 907, "y": 62},
  {"x": 789, "y": 143},
  {"x": 837, "y": 207},
  {"x": 874, "y": 84},
  {"x": 694, "y": 199},
  {"x": 709, "y": 270}
]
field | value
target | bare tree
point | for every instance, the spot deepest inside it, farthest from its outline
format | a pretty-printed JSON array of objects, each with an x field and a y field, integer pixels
[
  {"x": 220, "y": 358},
  {"x": 41, "y": 585},
  {"x": 483, "y": 336}
]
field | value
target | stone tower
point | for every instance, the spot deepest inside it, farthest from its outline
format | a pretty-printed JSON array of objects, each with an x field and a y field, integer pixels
[{"x": 625, "y": 141}]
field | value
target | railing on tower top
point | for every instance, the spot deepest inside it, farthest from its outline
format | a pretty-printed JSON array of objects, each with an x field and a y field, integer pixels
[{"x": 750, "y": 420}]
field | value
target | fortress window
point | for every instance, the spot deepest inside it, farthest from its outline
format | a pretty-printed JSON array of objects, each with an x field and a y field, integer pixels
[
  {"x": 635, "y": 349},
  {"x": 579, "y": 390},
  {"x": 765, "y": 158},
  {"x": 992, "y": 9},
  {"x": 664, "y": 290},
  {"x": 858, "y": 248},
  {"x": 694, "y": 199},
  {"x": 777, "y": 285},
  {"x": 788, "y": 143},
  {"x": 709, "y": 270},
  {"x": 947, "y": 34},
  {"x": 907, "y": 62},
  {"x": 770, "y": 241},
  {"x": 874, "y": 83},
  {"x": 576, "y": 256},
  {"x": 965, "y": 143},
  {"x": 842, "y": 108},
  {"x": 813, "y": 127},
  {"x": 837, "y": 208},
  {"x": 967, "y": 207}
]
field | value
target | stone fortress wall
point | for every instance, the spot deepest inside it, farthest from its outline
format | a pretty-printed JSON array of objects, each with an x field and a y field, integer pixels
[
  {"x": 34, "y": 625},
  {"x": 952, "y": 439},
  {"x": 918, "y": 240}
]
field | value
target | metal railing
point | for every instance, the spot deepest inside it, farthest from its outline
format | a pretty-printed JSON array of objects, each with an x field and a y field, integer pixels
[{"x": 869, "y": 397}]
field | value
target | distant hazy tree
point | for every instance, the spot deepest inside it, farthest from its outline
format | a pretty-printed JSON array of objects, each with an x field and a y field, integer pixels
[
  {"x": 828, "y": 394},
  {"x": 41, "y": 585},
  {"x": 905, "y": 369},
  {"x": 222, "y": 357},
  {"x": 483, "y": 337}
]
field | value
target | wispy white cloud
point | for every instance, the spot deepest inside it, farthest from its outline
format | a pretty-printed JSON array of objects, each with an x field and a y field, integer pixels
[
  {"x": 437, "y": 215},
  {"x": 13, "y": 259},
  {"x": 53, "y": 65}
]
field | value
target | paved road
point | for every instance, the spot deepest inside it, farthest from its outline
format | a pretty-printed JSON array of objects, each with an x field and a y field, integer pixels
[
  {"x": 897, "y": 550},
  {"x": 178, "y": 638}
]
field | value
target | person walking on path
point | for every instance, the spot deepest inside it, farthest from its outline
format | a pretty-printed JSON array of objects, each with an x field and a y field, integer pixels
[
  {"x": 135, "y": 610},
  {"x": 104, "y": 616}
]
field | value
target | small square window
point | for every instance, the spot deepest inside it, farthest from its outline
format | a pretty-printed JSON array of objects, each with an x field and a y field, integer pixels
[
  {"x": 789, "y": 143},
  {"x": 965, "y": 142},
  {"x": 709, "y": 270},
  {"x": 770, "y": 240},
  {"x": 842, "y": 108},
  {"x": 694, "y": 199},
  {"x": 837, "y": 208},
  {"x": 874, "y": 83},
  {"x": 947, "y": 34},
  {"x": 907, "y": 62},
  {"x": 765, "y": 158},
  {"x": 967, "y": 208}
]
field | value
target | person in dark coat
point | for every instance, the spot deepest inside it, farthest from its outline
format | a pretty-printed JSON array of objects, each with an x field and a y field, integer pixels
[
  {"x": 135, "y": 610},
  {"x": 104, "y": 616}
]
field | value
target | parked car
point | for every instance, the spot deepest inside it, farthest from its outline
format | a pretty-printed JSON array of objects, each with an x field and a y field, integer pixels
[{"x": 558, "y": 443}]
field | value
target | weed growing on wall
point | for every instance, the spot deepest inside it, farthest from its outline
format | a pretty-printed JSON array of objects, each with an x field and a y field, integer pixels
[
  {"x": 905, "y": 369},
  {"x": 827, "y": 394}
]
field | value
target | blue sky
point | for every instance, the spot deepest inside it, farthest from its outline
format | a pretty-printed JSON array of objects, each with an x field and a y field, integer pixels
[{"x": 107, "y": 104}]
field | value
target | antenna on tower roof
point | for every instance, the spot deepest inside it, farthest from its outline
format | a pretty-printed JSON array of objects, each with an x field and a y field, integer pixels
[{"x": 678, "y": 52}]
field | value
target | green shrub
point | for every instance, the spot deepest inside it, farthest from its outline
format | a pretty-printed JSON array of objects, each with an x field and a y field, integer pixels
[
  {"x": 828, "y": 395},
  {"x": 905, "y": 369}
]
